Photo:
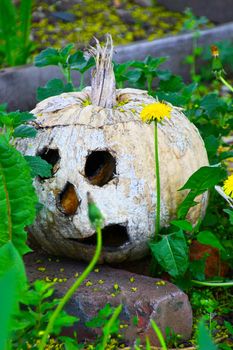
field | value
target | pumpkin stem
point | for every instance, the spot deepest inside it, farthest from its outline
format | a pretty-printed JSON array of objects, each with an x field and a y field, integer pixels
[{"x": 103, "y": 85}]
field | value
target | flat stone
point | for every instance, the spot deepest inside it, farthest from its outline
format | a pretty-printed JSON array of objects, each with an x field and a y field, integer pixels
[{"x": 141, "y": 296}]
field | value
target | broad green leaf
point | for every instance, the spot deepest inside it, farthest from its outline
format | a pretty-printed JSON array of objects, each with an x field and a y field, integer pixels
[
  {"x": 183, "y": 224},
  {"x": 15, "y": 119},
  {"x": 53, "y": 87},
  {"x": 204, "y": 340},
  {"x": 197, "y": 269},
  {"x": 209, "y": 238},
  {"x": 11, "y": 259},
  {"x": 24, "y": 131},
  {"x": 211, "y": 143},
  {"x": 171, "y": 252},
  {"x": 17, "y": 197},
  {"x": 79, "y": 62},
  {"x": 173, "y": 84},
  {"x": 7, "y": 304},
  {"x": 204, "y": 178},
  {"x": 66, "y": 50},
  {"x": 133, "y": 75},
  {"x": 39, "y": 167},
  {"x": 211, "y": 103},
  {"x": 199, "y": 182},
  {"x": 48, "y": 57}
]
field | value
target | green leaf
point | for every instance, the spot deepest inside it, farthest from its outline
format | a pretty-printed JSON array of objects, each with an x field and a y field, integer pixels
[
  {"x": 24, "y": 131},
  {"x": 11, "y": 259},
  {"x": 173, "y": 84},
  {"x": 101, "y": 319},
  {"x": 53, "y": 87},
  {"x": 79, "y": 62},
  {"x": 7, "y": 304},
  {"x": 8, "y": 30},
  {"x": 39, "y": 167},
  {"x": 133, "y": 75},
  {"x": 17, "y": 197},
  {"x": 172, "y": 253},
  {"x": 25, "y": 26},
  {"x": 183, "y": 224},
  {"x": 211, "y": 103},
  {"x": 48, "y": 57},
  {"x": 209, "y": 238},
  {"x": 229, "y": 327},
  {"x": 66, "y": 50},
  {"x": 211, "y": 143},
  {"x": 15, "y": 119},
  {"x": 197, "y": 269},
  {"x": 230, "y": 213},
  {"x": 204, "y": 339},
  {"x": 199, "y": 182},
  {"x": 204, "y": 178}
]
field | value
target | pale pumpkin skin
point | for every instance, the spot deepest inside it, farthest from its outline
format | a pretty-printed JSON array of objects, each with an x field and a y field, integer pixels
[{"x": 129, "y": 199}]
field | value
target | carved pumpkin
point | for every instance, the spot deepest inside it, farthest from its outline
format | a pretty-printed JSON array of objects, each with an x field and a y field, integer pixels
[{"x": 97, "y": 143}]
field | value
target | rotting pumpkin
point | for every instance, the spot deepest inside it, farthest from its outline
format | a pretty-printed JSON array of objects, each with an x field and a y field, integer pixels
[{"x": 104, "y": 148}]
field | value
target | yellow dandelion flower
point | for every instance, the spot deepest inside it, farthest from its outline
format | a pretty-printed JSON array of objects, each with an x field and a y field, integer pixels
[
  {"x": 156, "y": 111},
  {"x": 228, "y": 186}
]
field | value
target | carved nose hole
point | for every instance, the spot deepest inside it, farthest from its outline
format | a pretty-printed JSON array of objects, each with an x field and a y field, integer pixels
[
  {"x": 100, "y": 167},
  {"x": 68, "y": 200},
  {"x": 52, "y": 157}
]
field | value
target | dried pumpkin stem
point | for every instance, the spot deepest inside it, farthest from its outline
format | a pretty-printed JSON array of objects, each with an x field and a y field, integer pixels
[{"x": 103, "y": 84}]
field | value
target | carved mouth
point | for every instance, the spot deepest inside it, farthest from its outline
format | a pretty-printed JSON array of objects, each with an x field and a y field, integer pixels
[{"x": 113, "y": 236}]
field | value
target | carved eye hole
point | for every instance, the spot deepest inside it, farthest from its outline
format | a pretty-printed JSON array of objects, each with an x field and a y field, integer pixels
[
  {"x": 68, "y": 201},
  {"x": 100, "y": 167},
  {"x": 52, "y": 157}
]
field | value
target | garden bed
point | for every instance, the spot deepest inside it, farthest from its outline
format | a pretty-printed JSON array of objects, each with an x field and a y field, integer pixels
[{"x": 18, "y": 85}]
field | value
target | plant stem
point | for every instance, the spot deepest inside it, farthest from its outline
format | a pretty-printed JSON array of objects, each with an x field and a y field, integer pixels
[
  {"x": 226, "y": 83},
  {"x": 157, "y": 222},
  {"x": 107, "y": 328},
  {"x": 81, "y": 81},
  {"x": 149, "y": 83},
  {"x": 159, "y": 334},
  {"x": 72, "y": 289},
  {"x": 213, "y": 284}
]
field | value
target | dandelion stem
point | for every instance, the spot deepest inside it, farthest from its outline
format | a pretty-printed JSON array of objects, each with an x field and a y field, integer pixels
[
  {"x": 72, "y": 289},
  {"x": 226, "y": 83},
  {"x": 157, "y": 222},
  {"x": 213, "y": 284}
]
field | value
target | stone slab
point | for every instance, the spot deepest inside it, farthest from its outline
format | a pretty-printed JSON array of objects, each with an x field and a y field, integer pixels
[{"x": 141, "y": 296}]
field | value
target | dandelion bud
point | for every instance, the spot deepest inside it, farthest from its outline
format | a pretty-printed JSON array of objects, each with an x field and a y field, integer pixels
[{"x": 95, "y": 216}]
